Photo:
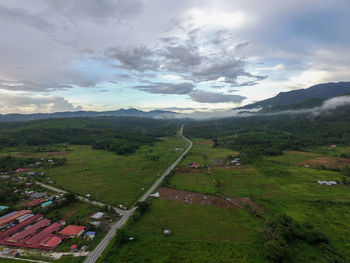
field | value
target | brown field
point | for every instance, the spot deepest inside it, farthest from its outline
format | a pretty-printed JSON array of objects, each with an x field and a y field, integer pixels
[
  {"x": 328, "y": 161},
  {"x": 205, "y": 199},
  {"x": 211, "y": 143}
]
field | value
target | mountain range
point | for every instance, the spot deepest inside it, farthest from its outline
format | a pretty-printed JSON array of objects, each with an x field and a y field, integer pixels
[
  {"x": 71, "y": 114},
  {"x": 315, "y": 93},
  {"x": 295, "y": 99}
]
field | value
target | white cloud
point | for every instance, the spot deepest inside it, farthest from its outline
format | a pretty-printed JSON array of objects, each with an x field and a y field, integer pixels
[{"x": 32, "y": 104}]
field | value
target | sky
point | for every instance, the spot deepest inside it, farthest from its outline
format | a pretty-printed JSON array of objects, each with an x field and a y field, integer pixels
[{"x": 183, "y": 55}]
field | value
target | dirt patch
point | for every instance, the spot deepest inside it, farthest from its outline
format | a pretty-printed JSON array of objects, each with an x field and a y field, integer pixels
[
  {"x": 57, "y": 153},
  {"x": 328, "y": 162},
  {"x": 211, "y": 143},
  {"x": 189, "y": 170},
  {"x": 204, "y": 199}
]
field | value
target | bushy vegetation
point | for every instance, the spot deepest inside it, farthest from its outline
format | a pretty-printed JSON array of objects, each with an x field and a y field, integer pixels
[
  {"x": 282, "y": 231},
  {"x": 121, "y": 135},
  {"x": 271, "y": 134}
]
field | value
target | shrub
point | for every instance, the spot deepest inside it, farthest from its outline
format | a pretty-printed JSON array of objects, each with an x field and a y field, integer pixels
[{"x": 276, "y": 249}]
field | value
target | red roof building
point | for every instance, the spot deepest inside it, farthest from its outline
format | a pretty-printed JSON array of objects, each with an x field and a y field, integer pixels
[
  {"x": 30, "y": 231},
  {"x": 72, "y": 231},
  {"x": 52, "y": 242},
  {"x": 21, "y": 170},
  {"x": 73, "y": 247},
  {"x": 38, "y": 238},
  {"x": 20, "y": 226},
  {"x": 195, "y": 165}
]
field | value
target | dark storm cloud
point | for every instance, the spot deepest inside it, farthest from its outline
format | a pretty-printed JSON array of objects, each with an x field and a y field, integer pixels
[
  {"x": 230, "y": 70},
  {"x": 180, "y": 58},
  {"x": 214, "y": 97},
  {"x": 136, "y": 58},
  {"x": 183, "y": 57},
  {"x": 167, "y": 88}
]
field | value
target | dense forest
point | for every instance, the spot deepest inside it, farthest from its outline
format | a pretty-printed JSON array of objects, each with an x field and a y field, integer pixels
[{"x": 123, "y": 135}]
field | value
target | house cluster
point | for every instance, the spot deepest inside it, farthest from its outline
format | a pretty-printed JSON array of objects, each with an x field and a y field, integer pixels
[
  {"x": 27, "y": 230},
  {"x": 21, "y": 173},
  {"x": 327, "y": 182},
  {"x": 236, "y": 161},
  {"x": 96, "y": 218},
  {"x": 43, "y": 199}
]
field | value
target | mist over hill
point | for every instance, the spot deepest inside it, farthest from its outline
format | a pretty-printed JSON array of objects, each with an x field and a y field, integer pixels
[{"x": 320, "y": 92}]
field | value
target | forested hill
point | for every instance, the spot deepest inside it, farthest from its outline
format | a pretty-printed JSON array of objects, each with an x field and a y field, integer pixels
[
  {"x": 68, "y": 114},
  {"x": 270, "y": 134},
  {"x": 122, "y": 135},
  {"x": 321, "y": 91}
]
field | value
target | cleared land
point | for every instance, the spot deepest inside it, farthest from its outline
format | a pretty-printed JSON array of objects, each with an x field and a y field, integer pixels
[{"x": 328, "y": 162}]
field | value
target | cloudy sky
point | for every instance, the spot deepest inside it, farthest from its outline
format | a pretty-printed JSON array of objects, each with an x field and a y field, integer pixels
[{"x": 64, "y": 55}]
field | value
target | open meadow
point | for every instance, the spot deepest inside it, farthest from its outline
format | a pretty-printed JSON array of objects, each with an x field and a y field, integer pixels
[
  {"x": 106, "y": 176},
  {"x": 206, "y": 233}
]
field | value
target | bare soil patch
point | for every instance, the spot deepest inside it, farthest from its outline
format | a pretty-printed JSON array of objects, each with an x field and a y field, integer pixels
[
  {"x": 205, "y": 199},
  {"x": 328, "y": 162}
]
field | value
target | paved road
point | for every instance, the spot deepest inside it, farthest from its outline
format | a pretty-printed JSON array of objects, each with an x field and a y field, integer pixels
[{"x": 94, "y": 255}]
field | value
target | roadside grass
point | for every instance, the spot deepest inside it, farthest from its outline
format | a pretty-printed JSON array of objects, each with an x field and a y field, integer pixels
[
  {"x": 199, "y": 234},
  {"x": 203, "y": 152},
  {"x": 112, "y": 178}
]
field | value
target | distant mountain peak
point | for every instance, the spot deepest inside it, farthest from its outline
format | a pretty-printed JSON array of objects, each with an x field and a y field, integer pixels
[{"x": 319, "y": 91}]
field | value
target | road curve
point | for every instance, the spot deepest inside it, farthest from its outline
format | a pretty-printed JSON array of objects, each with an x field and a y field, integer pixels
[{"x": 94, "y": 255}]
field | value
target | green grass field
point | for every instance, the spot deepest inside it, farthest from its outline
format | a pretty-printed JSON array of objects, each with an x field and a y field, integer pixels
[
  {"x": 210, "y": 234},
  {"x": 203, "y": 152},
  {"x": 199, "y": 234},
  {"x": 196, "y": 182},
  {"x": 111, "y": 178}
]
